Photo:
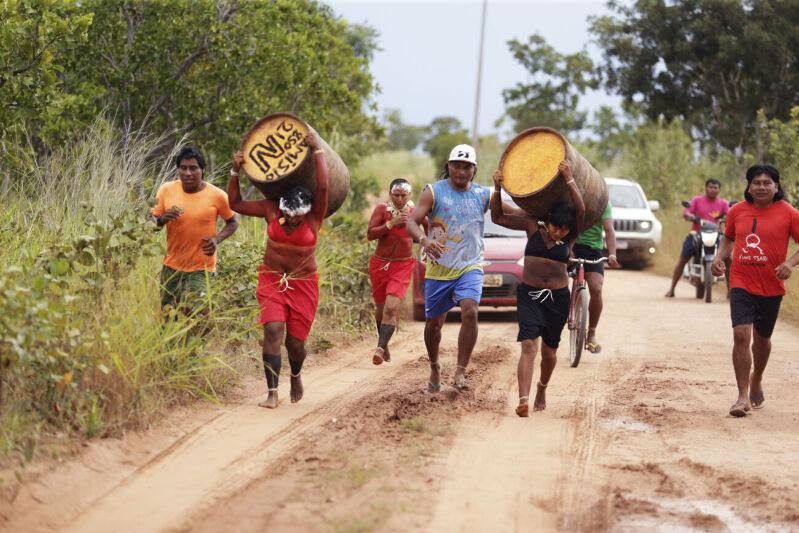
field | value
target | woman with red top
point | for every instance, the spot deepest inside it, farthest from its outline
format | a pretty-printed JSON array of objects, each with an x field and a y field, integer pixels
[
  {"x": 288, "y": 281},
  {"x": 757, "y": 234},
  {"x": 392, "y": 264}
]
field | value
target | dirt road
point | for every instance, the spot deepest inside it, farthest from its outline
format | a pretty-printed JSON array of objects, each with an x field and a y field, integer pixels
[{"x": 636, "y": 438}]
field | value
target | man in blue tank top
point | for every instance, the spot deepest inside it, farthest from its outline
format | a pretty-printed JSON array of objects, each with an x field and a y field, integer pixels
[{"x": 454, "y": 249}]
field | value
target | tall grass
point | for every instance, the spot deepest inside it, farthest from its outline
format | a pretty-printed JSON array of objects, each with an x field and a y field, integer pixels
[{"x": 85, "y": 348}]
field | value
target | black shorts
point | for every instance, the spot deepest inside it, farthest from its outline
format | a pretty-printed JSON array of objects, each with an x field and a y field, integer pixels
[
  {"x": 688, "y": 246},
  {"x": 760, "y": 311},
  {"x": 541, "y": 313},
  {"x": 582, "y": 251}
]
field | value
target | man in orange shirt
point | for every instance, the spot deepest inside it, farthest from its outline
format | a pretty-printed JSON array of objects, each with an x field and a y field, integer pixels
[{"x": 189, "y": 207}]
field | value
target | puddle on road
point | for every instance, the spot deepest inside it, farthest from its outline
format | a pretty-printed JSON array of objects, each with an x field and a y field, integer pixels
[
  {"x": 684, "y": 516},
  {"x": 625, "y": 423}
]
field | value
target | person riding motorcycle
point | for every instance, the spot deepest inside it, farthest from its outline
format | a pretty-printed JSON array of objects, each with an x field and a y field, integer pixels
[{"x": 708, "y": 207}]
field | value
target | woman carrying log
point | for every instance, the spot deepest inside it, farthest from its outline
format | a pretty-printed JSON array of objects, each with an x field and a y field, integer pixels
[
  {"x": 543, "y": 296},
  {"x": 288, "y": 281},
  {"x": 391, "y": 266}
]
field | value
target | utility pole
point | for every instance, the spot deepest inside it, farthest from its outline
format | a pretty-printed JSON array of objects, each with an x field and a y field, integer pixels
[{"x": 479, "y": 75}]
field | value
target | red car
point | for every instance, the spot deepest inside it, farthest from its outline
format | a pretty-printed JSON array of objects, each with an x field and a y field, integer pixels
[{"x": 503, "y": 264}]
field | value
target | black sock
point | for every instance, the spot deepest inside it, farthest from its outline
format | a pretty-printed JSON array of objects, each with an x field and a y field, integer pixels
[
  {"x": 386, "y": 331},
  {"x": 271, "y": 369},
  {"x": 296, "y": 366}
]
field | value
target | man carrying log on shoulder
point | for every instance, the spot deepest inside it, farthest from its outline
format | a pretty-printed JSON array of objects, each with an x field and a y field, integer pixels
[
  {"x": 456, "y": 207},
  {"x": 189, "y": 207}
]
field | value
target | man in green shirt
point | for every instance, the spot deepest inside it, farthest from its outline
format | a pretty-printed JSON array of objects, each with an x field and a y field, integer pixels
[{"x": 589, "y": 245}]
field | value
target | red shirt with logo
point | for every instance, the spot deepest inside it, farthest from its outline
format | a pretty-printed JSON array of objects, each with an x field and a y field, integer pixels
[{"x": 761, "y": 238}]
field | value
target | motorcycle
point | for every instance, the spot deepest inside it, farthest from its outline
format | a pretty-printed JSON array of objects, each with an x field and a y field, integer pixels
[{"x": 706, "y": 246}]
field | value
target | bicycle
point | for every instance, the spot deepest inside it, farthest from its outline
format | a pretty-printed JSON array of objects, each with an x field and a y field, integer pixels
[{"x": 578, "y": 308}]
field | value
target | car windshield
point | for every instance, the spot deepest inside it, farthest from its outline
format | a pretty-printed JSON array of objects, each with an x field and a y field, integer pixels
[
  {"x": 626, "y": 196},
  {"x": 495, "y": 230}
]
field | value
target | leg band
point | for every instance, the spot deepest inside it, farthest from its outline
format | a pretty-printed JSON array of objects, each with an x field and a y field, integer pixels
[
  {"x": 385, "y": 332},
  {"x": 271, "y": 369}
]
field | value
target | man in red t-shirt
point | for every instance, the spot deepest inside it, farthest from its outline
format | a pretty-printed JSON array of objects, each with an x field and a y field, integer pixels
[
  {"x": 757, "y": 234},
  {"x": 708, "y": 207}
]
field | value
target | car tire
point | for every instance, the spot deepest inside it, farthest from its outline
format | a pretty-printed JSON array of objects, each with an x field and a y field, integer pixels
[{"x": 418, "y": 312}]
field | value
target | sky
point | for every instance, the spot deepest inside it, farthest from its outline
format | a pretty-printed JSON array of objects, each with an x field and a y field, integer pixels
[{"x": 428, "y": 63}]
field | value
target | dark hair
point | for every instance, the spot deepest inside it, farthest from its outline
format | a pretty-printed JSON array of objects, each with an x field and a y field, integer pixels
[
  {"x": 563, "y": 215},
  {"x": 445, "y": 172},
  {"x": 190, "y": 152},
  {"x": 296, "y": 197},
  {"x": 713, "y": 181},
  {"x": 755, "y": 171},
  {"x": 397, "y": 181}
]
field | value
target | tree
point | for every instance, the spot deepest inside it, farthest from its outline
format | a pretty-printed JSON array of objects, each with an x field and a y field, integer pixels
[
  {"x": 205, "y": 69},
  {"x": 443, "y": 134},
  {"x": 401, "y": 136},
  {"x": 36, "y": 38},
  {"x": 711, "y": 63},
  {"x": 557, "y": 82}
]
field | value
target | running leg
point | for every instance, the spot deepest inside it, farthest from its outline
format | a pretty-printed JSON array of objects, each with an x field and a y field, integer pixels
[
  {"x": 742, "y": 364},
  {"x": 548, "y": 360},
  {"x": 432, "y": 340},
  {"x": 524, "y": 373},
  {"x": 273, "y": 335},
  {"x": 297, "y": 354},
  {"x": 467, "y": 338}
]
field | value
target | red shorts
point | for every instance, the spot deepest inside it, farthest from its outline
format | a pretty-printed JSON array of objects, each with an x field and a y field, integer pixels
[
  {"x": 390, "y": 278},
  {"x": 293, "y": 301}
]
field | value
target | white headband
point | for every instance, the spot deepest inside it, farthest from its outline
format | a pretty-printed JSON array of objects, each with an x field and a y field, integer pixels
[
  {"x": 403, "y": 186},
  {"x": 303, "y": 209}
]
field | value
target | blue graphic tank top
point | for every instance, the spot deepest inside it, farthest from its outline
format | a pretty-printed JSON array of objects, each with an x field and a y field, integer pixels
[{"x": 456, "y": 221}]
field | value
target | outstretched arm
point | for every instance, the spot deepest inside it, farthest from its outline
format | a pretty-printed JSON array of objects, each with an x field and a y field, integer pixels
[
  {"x": 320, "y": 201},
  {"x": 254, "y": 208},
  {"x": 574, "y": 193}
]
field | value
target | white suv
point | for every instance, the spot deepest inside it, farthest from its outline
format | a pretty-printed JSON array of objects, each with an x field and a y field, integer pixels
[{"x": 638, "y": 231}]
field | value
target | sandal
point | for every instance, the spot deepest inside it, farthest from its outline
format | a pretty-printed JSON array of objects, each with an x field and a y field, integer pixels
[
  {"x": 757, "y": 400},
  {"x": 377, "y": 358},
  {"x": 523, "y": 409},
  {"x": 739, "y": 409},
  {"x": 593, "y": 346},
  {"x": 433, "y": 388}
]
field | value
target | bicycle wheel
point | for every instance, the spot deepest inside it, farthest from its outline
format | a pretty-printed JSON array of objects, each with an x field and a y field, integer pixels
[{"x": 577, "y": 333}]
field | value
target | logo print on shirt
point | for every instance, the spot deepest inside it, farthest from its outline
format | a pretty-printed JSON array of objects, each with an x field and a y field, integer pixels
[{"x": 753, "y": 245}]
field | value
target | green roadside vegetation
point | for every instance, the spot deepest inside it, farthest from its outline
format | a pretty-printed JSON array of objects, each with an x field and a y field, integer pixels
[{"x": 96, "y": 98}]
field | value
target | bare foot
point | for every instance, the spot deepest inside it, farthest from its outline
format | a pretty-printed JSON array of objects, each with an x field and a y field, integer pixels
[
  {"x": 670, "y": 294},
  {"x": 434, "y": 384},
  {"x": 540, "y": 402},
  {"x": 523, "y": 409},
  {"x": 271, "y": 400},
  {"x": 378, "y": 356},
  {"x": 460, "y": 382},
  {"x": 296, "y": 389}
]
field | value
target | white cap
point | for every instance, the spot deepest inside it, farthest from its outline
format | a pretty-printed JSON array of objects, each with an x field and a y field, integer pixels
[{"x": 463, "y": 152}]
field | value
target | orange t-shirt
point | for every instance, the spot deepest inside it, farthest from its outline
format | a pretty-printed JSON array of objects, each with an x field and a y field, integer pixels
[
  {"x": 761, "y": 244},
  {"x": 184, "y": 235}
]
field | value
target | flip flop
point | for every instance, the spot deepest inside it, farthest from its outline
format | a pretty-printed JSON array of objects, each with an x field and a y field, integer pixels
[
  {"x": 593, "y": 346},
  {"x": 739, "y": 409},
  {"x": 757, "y": 400}
]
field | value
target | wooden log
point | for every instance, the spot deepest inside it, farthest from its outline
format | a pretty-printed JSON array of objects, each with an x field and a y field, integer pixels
[
  {"x": 530, "y": 169},
  {"x": 277, "y": 158}
]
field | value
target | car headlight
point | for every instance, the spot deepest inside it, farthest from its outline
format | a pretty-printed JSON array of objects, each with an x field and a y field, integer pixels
[
  {"x": 520, "y": 262},
  {"x": 645, "y": 225}
]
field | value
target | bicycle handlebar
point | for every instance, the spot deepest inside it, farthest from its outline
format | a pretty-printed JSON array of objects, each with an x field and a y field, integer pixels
[{"x": 588, "y": 261}]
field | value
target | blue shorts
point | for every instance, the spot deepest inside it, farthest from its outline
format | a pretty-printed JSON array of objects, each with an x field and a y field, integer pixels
[{"x": 442, "y": 295}]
